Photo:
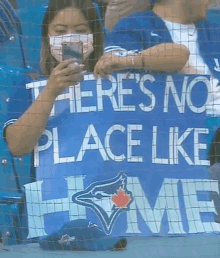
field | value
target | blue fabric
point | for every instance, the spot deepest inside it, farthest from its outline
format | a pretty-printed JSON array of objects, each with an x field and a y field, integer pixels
[
  {"x": 87, "y": 236},
  {"x": 19, "y": 101},
  {"x": 134, "y": 32},
  {"x": 208, "y": 38}
]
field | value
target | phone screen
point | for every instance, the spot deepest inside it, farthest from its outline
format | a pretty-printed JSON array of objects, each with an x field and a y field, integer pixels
[{"x": 73, "y": 51}]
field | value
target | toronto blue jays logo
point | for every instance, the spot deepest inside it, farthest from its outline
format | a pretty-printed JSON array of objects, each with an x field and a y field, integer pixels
[{"x": 107, "y": 199}]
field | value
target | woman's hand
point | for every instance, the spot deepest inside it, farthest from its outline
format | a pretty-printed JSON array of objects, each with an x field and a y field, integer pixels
[
  {"x": 109, "y": 63},
  {"x": 65, "y": 74},
  {"x": 164, "y": 57}
]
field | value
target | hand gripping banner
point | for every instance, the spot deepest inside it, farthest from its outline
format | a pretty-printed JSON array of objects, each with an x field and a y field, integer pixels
[{"x": 129, "y": 153}]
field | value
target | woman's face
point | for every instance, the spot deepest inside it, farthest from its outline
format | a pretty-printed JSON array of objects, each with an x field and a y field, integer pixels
[
  {"x": 69, "y": 26},
  {"x": 68, "y": 21}
]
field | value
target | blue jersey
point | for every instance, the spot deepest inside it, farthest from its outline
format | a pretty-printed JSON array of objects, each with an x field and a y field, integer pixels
[
  {"x": 143, "y": 30},
  {"x": 20, "y": 100}
]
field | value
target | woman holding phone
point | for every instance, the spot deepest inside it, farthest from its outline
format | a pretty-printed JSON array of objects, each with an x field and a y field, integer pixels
[{"x": 65, "y": 22}]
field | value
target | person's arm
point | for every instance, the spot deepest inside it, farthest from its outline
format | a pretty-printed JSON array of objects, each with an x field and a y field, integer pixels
[
  {"x": 165, "y": 57},
  {"x": 23, "y": 135},
  {"x": 141, "y": 46}
]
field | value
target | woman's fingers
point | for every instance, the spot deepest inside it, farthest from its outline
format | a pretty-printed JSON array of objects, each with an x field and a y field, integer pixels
[
  {"x": 97, "y": 70},
  {"x": 101, "y": 69},
  {"x": 64, "y": 64},
  {"x": 72, "y": 69},
  {"x": 101, "y": 72},
  {"x": 74, "y": 77},
  {"x": 75, "y": 67},
  {"x": 105, "y": 66},
  {"x": 104, "y": 71},
  {"x": 96, "y": 75}
]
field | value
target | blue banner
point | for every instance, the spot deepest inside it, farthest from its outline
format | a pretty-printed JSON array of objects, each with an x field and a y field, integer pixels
[{"x": 128, "y": 153}]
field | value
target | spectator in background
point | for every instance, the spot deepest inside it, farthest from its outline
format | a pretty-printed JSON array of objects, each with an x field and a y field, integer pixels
[
  {"x": 133, "y": 43},
  {"x": 161, "y": 40},
  {"x": 51, "y": 54},
  {"x": 64, "y": 21},
  {"x": 118, "y": 9}
]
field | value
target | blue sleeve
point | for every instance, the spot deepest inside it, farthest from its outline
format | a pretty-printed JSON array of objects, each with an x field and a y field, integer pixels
[
  {"x": 19, "y": 101},
  {"x": 214, "y": 30},
  {"x": 137, "y": 32},
  {"x": 126, "y": 35}
]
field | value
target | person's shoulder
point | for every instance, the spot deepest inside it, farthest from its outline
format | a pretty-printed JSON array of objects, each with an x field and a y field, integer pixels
[
  {"x": 211, "y": 29},
  {"x": 135, "y": 20},
  {"x": 140, "y": 16},
  {"x": 208, "y": 24}
]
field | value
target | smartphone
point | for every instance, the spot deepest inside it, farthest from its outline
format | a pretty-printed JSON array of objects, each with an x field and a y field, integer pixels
[{"x": 73, "y": 51}]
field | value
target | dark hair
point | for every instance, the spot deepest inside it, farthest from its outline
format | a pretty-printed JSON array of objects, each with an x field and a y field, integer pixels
[{"x": 48, "y": 62}]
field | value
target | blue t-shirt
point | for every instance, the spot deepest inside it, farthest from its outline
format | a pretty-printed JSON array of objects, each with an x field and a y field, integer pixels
[{"x": 138, "y": 31}]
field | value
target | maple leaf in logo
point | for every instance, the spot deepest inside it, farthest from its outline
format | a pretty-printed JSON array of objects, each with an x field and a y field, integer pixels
[{"x": 121, "y": 199}]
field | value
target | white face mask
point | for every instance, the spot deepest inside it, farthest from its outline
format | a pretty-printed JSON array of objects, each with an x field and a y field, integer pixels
[{"x": 57, "y": 41}]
